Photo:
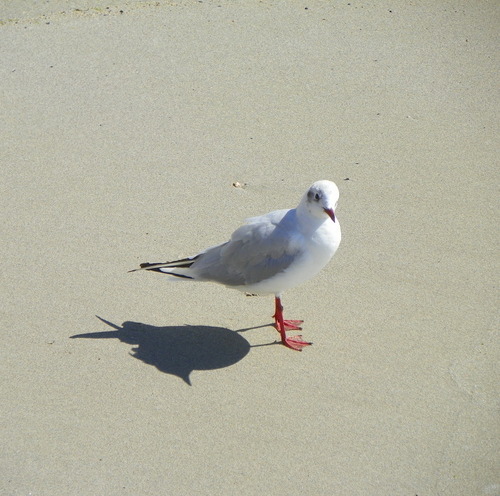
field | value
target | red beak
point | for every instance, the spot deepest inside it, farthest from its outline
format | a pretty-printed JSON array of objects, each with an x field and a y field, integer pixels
[{"x": 330, "y": 212}]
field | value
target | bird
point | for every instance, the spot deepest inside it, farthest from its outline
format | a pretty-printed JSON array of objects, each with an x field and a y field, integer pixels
[{"x": 270, "y": 253}]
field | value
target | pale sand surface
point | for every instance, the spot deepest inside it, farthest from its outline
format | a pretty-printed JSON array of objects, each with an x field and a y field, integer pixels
[{"x": 120, "y": 137}]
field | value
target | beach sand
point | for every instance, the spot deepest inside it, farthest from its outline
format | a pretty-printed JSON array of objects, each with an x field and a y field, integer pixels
[{"x": 123, "y": 127}]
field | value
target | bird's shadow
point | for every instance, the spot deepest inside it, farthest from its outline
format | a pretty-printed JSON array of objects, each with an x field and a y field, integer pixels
[{"x": 178, "y": 350}]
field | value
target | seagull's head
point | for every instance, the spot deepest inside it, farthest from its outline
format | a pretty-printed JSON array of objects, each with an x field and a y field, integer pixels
[{"x": 321, "y": 199}]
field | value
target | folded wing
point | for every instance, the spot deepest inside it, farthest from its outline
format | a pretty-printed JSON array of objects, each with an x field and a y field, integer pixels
[{"x": 257, "y": 251}]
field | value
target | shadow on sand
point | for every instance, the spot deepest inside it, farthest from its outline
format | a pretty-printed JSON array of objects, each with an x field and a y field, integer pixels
[{"x": 178, "y": 350}]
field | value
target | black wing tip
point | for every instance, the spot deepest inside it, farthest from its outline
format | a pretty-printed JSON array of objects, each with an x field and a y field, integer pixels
[
  {"x": 182, "y": 263},
  {"x": 142, "y": 266},
  {"x": 159, "y": 267},
  {"x": 161, "y": 270}
]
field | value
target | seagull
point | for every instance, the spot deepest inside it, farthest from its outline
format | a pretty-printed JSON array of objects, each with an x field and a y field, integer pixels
[{"x": 270, "y": 254}]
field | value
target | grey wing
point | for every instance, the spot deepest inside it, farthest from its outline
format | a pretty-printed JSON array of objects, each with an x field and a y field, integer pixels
[{"x": 257, "y": 251}]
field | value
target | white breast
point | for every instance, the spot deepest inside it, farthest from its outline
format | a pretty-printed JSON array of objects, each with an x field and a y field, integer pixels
[{"x": 319, "y": 249}]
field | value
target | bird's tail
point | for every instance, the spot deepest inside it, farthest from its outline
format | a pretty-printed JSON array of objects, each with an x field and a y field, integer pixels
[{"x": 166, "y": 267}]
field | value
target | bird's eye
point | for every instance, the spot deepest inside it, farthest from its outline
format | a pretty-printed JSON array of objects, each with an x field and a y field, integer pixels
[{"x": 317, "y": 197}]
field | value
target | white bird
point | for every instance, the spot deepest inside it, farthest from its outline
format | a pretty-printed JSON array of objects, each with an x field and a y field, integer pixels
[{"x": 271, "y": 253}]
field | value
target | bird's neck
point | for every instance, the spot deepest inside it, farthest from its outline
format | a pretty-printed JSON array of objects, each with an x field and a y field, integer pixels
[{"x": 307, "y": 220}]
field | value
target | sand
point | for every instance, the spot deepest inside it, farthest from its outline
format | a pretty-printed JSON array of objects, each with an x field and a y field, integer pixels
[{"x": 122, "y": 130}]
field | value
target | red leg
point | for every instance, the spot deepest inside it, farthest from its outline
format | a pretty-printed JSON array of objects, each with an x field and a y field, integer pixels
[
  {"x": 290, "y": 325},
  {"x": 293, "y": 342}
]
